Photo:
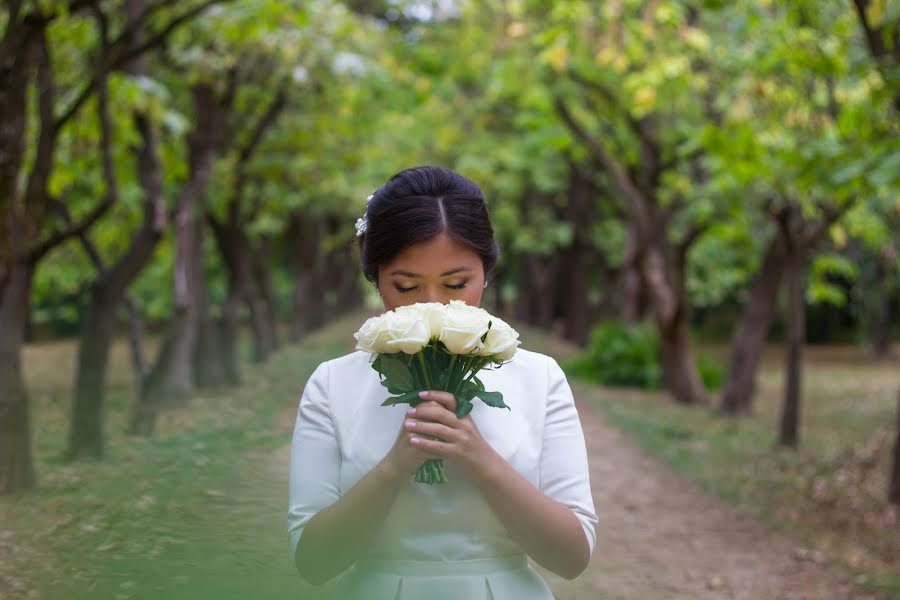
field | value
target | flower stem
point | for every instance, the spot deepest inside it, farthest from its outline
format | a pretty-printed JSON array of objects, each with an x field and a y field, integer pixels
[
  {"x": 446, "y": 386},
  {"x": 421, "y": 356}
]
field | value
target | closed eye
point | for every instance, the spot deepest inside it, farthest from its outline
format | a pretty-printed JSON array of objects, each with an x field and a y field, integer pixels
[{"x": 403, "y": 290}]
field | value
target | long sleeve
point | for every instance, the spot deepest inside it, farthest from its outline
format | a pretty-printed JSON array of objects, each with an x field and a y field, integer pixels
[
  {"x": 315, "y": 457},
  {"x": 564, "y": 472}
]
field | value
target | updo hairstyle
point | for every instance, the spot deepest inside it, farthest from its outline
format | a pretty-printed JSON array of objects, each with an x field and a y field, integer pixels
[{"x": 419, "y": 203}]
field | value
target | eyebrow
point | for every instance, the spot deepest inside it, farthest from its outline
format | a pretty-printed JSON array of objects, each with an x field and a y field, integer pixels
[{"x": 450, "y": 272}]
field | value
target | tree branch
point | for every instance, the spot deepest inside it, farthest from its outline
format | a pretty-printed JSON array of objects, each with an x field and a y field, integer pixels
[
  {"x": 86, "y": 242},
  {"x": 109, "y": 172},
  {"x": 690, "y": 237},
  {"x": 61, "y": 235},
  {"x": 123, "y": 53},
  {"x": 636, "y": 200},
  {"x": 266, "y": 120},
  {"x": 640, "y": 127},
  {"x": 830, "y": 214},
  {"x": 36, "y": 192},
  {"x": 886, "y": 58}
]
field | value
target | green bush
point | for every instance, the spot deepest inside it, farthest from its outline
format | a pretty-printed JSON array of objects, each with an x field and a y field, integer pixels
[
  {"x": 620, "y": 353},
  {"x": 627, "y": 354},
  {"x": 712, "y": 372}
]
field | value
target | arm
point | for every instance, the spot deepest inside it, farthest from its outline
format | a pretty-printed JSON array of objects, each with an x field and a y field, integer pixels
[
  {"x": 548, "y": 531},
  {"x": 335, "y": 536},
  {"x": 328, "y": 531},
  {"x": 554, "y": 524}
]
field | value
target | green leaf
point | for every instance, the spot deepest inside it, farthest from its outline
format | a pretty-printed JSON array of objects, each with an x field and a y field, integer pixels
[
  {"x": 493, "y": 399},
  {"x": 411, "y": 398},
  {"x": 463, "y": 407},
  {"x": 398, "y": 376}
]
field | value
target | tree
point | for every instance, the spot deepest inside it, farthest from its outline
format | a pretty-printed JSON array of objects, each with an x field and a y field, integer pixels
[
  {"x": 804, "y": 159},
  {"x": 108, "y": 289},
  {"x": 28, "y": 62}
]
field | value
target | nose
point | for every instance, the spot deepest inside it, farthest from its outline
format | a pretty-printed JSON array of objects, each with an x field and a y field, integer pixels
[{"x": 433, "y": 295}]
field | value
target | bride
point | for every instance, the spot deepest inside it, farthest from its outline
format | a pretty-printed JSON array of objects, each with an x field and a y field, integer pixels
[{"x": 518, "y": 480}]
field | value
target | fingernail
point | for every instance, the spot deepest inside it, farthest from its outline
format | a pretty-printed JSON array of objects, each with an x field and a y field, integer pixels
[
  {"x": 423, "y": 394},
  {"x": 410, "y": 424},
  {"x": 414, "y": 440},
  {"x": 410, "y": 412}
]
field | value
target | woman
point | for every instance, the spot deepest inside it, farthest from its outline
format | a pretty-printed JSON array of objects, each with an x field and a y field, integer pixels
[{"x": 518, "y": 479}]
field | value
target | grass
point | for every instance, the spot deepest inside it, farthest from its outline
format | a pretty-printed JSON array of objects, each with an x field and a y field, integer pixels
[
  {"x": 830, "y": 494},
  {"x": 193, "y": 512},
  {"x": 183, "y": 514}
]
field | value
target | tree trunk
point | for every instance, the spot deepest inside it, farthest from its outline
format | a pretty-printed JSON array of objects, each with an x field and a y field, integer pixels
[
  {"x": 307, "y": 305},
  {"x": 663, "y": 272},
  {"x": 894, "y": 487},
  {"x": 17, "y": 65},
  {"x": 679, "y": 369},
  {"x": 303, "y": 240},
  {"x": 882, "y": 333},
  {"x": 171, "y": 379},
  {"x": 16, "y": 463},
  {"x": 234, "y": 251},
  {"x": 209, "y": 370},
  {"x": 632, "y": 305},
  {"x": 136, "y": 344},
  {"x": 538, "y": 288},
  {"x": 268, "y": 319},
  {"x": 229, "y": 336},
  {"x": 577, "y": 259},
  {"x": 107, "y": 292},
  {"x": 349, "y": 294},
  {"x": 750, "y": 333},
  {"x": 98, "y": 322},
  {"x": 795, "y": 332}
]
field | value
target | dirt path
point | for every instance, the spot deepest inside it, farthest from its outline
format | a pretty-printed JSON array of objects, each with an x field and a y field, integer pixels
[{"x": 662, "y": 538}]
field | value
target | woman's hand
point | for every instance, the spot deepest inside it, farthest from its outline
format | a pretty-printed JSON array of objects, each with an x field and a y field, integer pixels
[{"x": 457, "y": 439}]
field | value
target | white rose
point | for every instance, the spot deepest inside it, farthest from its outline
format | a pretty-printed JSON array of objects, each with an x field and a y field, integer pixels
[
  {"x": 431, "y": 312},
  {"x": 371, "y": 335},
  {"x": 501, "y": 341},
  {"x": 405, "y": 331},
  {"x": 463, "y": 327}
]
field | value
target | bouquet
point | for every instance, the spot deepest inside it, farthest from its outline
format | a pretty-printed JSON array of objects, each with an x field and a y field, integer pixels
[{"x": 435, "y": 346}]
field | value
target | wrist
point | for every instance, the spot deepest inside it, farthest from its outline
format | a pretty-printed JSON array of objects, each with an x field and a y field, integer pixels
[
  {"x": 487, "y": 465},
  {"x": 390, "y": 471}
]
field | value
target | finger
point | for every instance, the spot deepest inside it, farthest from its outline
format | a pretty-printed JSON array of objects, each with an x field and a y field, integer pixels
[
  {"x": 438, "y": 414},
  {"x": 448, "y": 434},
  {"x": 445, "y": 398},
  {"x": 434, "y": 448},
  {"x": 429, "y": 403}
]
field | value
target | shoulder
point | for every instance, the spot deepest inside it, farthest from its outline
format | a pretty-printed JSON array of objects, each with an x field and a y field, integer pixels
[
  {"x": 535, "y": 363},
  {"x": 348, "y": 362},
  {"x": 337, "y": 369}
]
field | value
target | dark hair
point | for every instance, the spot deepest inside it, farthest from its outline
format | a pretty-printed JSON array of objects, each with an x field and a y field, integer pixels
[{"x": 419, "y": 203}]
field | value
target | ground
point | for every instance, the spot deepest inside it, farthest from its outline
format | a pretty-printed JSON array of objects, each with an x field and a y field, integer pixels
[
  {"x": 661, "y": 537},
  {"x": 216, "y": 528}
]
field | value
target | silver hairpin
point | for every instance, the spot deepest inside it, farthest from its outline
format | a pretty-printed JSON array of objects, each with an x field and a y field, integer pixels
[{"x": 362, "y": 223}]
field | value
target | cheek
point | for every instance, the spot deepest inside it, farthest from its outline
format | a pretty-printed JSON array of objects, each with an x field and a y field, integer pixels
[{"x": 472, "y": 295}]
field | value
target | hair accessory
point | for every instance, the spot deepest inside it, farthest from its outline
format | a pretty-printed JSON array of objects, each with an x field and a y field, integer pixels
[{"x": 362, "y": 223}]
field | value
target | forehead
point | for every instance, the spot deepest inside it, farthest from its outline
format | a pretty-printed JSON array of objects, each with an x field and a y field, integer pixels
[{"x": 434, "y": 256}]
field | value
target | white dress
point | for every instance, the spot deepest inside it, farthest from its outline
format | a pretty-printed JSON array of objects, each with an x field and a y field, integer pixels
[{"x": 442, "y": 541}]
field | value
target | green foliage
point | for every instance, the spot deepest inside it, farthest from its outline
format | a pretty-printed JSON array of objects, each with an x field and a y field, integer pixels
[
  {"x": 752, "y": 104},
  {"x": 627, "y": 354},
  {"x": 620, "y": 353},
  {"x": 712, "y": 371},
  {"x": 822, "y": 287}
]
